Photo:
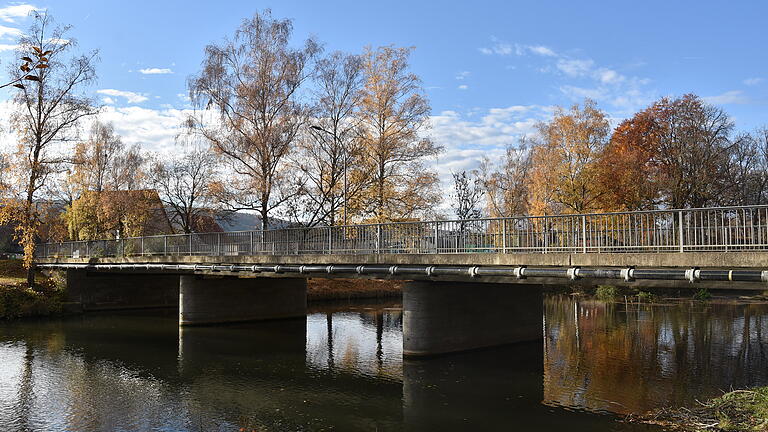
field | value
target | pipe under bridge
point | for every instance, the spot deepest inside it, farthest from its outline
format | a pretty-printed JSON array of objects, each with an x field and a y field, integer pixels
[{"x": 488, "y": 272}]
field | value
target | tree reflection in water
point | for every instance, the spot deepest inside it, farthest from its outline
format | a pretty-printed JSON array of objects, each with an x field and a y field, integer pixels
[{"x": 628, "y": 358}]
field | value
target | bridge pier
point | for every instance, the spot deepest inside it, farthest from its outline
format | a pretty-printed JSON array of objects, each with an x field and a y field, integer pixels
[
  {"x": 216, "y": 300},
  {"x": 445, "y": 317}
]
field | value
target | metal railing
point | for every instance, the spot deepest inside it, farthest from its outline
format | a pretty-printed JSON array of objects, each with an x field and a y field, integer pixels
[{"x": 690, "y": 230}]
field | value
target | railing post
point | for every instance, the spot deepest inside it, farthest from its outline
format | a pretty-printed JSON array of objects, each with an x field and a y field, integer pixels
[
  {"x": 330, "y": 240},
  {"x": 165, "y": 245},
  {"x": 218, "y": 244},
  {"x": 250, "y": 244},
  {"x": 378, "y": 238},
  {"x": 583, "y": 233},
  {"x": 680, "y": 230},
  {"x": 142, "y": 246},
  {"x": 87, "y": 250},
  {"x": 437, "y": 231},
  {"x": 503, "y": 236},
  {"x": 189, "y": 242}
]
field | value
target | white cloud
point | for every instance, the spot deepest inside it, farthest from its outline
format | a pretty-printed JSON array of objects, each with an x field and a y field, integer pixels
[
  {"x": 8, "y": 47},
  {"x": 542, "y": 50},
  {"x": 130, "y": 97},
  {"x": 576, "y": 93},
  {"x": 58, "y": 41},
  {"x": 575, "y": 67},
  {"x": 609, "y": 76},
  {"x": 9, "y": 32},
  {"x": 155, "y": 71},
  {"x": 463, "y": 87},
  {"x": 11, "y": 13},
  {"x": 499, "y": 49},
  {"x": 727, "y": 98},
  {"x": 583, "y": 76},
  {"x": 753, "y": 81},
  {"x": 108, "y": 100},
  {"x": 504, "y": 48},
  {"x": 462, "y": 75},
  {"x": 493, "y": 129},
  {"x": 468, "y": 138},
  {"x": 153, "y": 130}
]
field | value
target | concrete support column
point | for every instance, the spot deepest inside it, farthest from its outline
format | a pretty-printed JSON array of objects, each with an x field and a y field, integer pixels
[
  {"x": 97, "y": 291},
  {"x": 445, "y": 317},
  {"x": 215, "y": 300}
]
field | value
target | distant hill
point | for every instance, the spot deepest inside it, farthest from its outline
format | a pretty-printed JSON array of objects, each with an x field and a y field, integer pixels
[{"x": 242, "y": 221}]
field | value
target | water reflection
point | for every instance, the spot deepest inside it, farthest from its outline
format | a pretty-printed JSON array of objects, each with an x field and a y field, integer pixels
[
  {"x": 628, "y": 358},
  {"x": 342, "y": 368},
  {"x": 364, "y": 340}
]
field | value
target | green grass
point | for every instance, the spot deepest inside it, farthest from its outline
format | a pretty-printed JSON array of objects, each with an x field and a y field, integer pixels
[
  {"x": 736, "y": 411},
  {"x": 742, "y": 410}
]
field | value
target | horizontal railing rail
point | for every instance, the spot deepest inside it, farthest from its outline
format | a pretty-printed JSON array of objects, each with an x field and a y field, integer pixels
[{"x": 724, "y": 229}]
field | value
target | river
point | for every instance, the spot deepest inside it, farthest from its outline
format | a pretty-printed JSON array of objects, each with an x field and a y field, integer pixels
[{"x": 341, "y": 368}]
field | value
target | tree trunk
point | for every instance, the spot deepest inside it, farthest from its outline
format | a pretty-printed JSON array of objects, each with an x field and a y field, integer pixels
[
  {"x": 264, "y": 217},
  {"x": 27, "y": 226}
]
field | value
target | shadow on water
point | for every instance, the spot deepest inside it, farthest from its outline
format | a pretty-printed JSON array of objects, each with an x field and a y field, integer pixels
[{"x": 341, "y": 367}]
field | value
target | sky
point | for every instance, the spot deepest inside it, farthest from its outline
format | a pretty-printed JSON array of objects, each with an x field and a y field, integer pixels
[{"x": 491, "y": 69}]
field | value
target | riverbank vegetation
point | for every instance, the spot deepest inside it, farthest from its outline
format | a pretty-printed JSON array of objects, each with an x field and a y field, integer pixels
[
  {"x": 17, "y": 300},
  {"x": 611, "y": 293},
  {"x": 735, "y": 411}
]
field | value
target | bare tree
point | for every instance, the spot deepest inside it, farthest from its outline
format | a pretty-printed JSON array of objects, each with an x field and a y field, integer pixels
[
  {"x": 329, "y": 156},
  {"x": 749, "y": 169},
  {"x": 250, "y": 87},
  {"x": 467, "y": 195},
  {"x": 695, "y": 150},
  {"x": 506, "y": 185},
  {"x": 394, "y": 116},
  {"x": 129, "y": 170},
  {"x": 5, "y": 173},
  {"x": 50, "y": 109},
  {"x": 183, "y": 185},
  {"x": 96, "y": 159}
]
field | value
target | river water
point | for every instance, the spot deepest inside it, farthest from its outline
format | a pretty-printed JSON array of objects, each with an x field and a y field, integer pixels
[{"x": 341, "y": 368}]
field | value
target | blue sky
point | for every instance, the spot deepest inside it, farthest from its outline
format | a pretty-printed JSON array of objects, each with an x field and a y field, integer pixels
[{"x": 491, "y": 69}]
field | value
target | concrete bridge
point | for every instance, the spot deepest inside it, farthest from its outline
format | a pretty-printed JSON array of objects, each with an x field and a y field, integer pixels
[{"x": 485, "y": 274}]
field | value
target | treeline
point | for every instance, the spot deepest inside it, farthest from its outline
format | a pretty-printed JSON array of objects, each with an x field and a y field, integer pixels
[
  {"x": 677, "y": 153},
  {"x": 285, "y": 129}
]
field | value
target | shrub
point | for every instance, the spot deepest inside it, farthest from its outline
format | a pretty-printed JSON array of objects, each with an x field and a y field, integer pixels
[
  {"x": 702, "y": 294},
  {"x": 606, "y": 292},
  {"x": 646, "y": 297},
  {"x": 17, "y": 301}
]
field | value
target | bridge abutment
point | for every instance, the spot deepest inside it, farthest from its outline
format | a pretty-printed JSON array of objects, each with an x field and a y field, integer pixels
[
  {"x": 445, "y": 317},
  {"x": 99, "y": 291},
  {"x": 217, "y": 300}
]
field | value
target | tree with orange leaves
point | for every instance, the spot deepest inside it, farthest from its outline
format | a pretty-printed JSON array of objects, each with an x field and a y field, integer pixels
[
  {"x": 629, "y": 168},
  {"x": 565, "y": 159},
  {"x": 677, "y": 153}
]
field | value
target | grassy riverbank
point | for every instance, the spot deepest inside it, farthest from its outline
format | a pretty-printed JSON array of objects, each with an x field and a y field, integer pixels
[
  {"x": 736, "y": 411},
  {"x": 19, "y": 301}
]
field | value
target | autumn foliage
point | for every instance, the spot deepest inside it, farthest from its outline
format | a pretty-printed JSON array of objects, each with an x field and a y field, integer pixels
[{"x": 676, "y": 153}]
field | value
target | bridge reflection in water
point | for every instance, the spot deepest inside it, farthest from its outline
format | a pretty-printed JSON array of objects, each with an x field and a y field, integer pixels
[{"x": 140, "y": 371}]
